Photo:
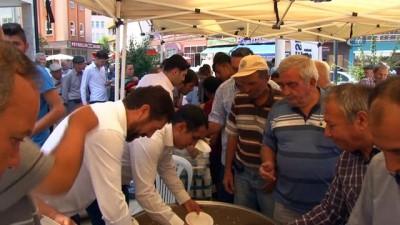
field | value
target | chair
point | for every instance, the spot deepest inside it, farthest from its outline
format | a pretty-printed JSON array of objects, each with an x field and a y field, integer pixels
[{"x": 181, "y": 164}]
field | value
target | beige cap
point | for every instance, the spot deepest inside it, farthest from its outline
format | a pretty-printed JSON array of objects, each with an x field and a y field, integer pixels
[
  {"x": 250, "y": 64},
  {"x": 55, "y": 67}
]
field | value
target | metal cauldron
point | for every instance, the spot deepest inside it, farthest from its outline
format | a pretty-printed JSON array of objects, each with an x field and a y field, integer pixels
[{"x": 222, "y": 213}]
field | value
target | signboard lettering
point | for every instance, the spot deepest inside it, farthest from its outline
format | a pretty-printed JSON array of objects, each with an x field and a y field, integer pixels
[{"x": 87, "y": 45}]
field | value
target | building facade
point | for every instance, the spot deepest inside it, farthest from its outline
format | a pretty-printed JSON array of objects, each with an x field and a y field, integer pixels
[{"x": 71, "y": 33}]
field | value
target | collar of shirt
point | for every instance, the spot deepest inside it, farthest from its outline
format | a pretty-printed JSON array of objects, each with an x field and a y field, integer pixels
[
  {"x": 169, "y": 135},
  {"x": 109, "y": 108},
  {"x": 169, "y": 84}
]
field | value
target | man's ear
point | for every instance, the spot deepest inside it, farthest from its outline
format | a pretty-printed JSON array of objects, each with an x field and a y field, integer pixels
[
  {"x": 181, "y": 127},
  {"x": 144, "y": 111},
  {"x": 362, "y": 120}
]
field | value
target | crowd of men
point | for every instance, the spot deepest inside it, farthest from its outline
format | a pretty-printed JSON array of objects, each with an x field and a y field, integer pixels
[{"x": 298, "y": 149}]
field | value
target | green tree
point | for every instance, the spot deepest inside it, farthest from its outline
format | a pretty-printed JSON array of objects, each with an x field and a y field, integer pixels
[
  {"x": 42, "y": 43},
  {"x": 136, "y": 53},
  {"x": 373, "y": 59},
  {"x": 105, "y": 43}
]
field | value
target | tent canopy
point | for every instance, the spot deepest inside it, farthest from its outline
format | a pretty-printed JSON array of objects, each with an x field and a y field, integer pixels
[
  {"x": 59, "y": 57},
  {"x": 298, "y": 19}
]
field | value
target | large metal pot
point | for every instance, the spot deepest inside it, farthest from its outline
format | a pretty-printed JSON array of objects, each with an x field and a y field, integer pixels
[{"x": 222, "y": 213}]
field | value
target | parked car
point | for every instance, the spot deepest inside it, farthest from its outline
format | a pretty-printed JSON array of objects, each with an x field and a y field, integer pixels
[{"x": 342, "y": 77}]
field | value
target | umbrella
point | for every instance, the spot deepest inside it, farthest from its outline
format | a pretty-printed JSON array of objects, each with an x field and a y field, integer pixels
[{"x": 59, "y": 57}]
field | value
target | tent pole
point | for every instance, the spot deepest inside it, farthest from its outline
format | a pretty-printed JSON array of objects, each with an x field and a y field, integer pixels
[
  {"x": 117, "y": 51},
  {"x": 123, "y": 65}
]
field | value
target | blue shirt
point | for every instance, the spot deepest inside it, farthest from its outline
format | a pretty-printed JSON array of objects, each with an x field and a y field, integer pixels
[
  {"x": 305, "y": 158},
  {"x": 45, "y": 86}
]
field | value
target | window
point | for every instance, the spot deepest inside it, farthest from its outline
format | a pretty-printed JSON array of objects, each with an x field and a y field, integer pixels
[
  {"x": 81, "y": 30},
  {"x": 97, "y": 24},
  {"x": 81, "y": 8},
  {"x": 72, "y": 28},
  {"x": 49, "y": 28},
  {"x": 6, "y": 20},
  {"x": 101, "y": 24},
  {"x": 71, "y": 4},
  {"x": 92, "y": 23}
]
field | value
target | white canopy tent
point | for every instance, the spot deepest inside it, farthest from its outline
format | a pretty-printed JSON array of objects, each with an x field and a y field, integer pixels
[
  {"x": 59, "y": 57},
  {"x": 294, "y": 19}
]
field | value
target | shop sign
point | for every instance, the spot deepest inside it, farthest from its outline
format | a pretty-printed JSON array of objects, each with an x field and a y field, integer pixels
[
  {"x": 246, "y": 41},
  {"x": 357, "y": 41},
  {"x": 221, "y": 41},
  {"x": 87, "y": 45}
]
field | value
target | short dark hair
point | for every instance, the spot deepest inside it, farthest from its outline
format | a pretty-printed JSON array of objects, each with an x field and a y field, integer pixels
[
  {"x": 175, "y": 61},
  {"x": 275, "y": 74},
  {"x": 12, "y": 63},
  {"x": 159, "y": 100},
  {"x": 379, "y": 66},
  {"x": 192, "y": 115},
  {"x": 205, "y": 70},
  {"x": 368, "y": 67},
  {"x": 387, "y": 89},
  {"x": 191, "y": 77},
  {"x": 241, "y": 52},
  {"x": 102, "y": 54},
  {"x": 221, "y": 58},
  {"x": 11, "y": 29},
  {"x": 211, "y": 84}
]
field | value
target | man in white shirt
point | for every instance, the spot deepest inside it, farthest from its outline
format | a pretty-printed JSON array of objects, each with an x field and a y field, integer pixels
[
  {"x": 94, "y": 81},
  {"x": 146, "y": 157},
  {"x": 173, "y": 73},
  {"x": 141, "y": 113}
]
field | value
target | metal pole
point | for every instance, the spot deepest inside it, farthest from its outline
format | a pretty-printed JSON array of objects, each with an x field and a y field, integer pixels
[{"x": 335, "y": 60}]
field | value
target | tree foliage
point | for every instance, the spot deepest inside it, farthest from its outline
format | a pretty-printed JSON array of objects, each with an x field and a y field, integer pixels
[
  {"x": 136, "y": 53},
  {"x": 42, "y": 43},
  {"x": 105, "y": 43}
]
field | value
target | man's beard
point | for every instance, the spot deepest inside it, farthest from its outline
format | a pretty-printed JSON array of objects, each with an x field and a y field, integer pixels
[{"x": 133, "y": 134}]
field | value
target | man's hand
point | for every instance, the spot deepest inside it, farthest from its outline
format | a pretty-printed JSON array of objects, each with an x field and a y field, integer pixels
[
  {"x": 228, "y": 182},
  {"x": 63, "y": 220},
  {"x": 192, "y": 206},
  {"x": 193, "y": 152},
  {"x": 267, "y": 171}
]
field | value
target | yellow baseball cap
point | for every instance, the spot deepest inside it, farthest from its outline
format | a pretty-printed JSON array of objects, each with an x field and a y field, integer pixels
[{"x": 250, "y": 64}]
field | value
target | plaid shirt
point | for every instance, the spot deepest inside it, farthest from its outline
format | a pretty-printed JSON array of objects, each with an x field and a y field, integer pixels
[
  {"x": 369, "y": 81},
  {"x": 341, "y": 197},
  {"x": 221, "y": 107}
]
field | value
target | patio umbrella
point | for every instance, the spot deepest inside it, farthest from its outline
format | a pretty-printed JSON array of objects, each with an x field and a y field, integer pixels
[{"x": 59, "y": 57}]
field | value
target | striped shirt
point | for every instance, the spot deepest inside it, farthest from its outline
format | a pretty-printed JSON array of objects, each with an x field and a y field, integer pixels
[
  {"x": 305, "y": 158},
  {"x": 343, "y": 192},
  {"x": 247, "y": 121}
]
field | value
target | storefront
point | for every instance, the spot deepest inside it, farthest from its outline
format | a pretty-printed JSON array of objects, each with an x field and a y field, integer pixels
[{"x": 72, "y": 48}]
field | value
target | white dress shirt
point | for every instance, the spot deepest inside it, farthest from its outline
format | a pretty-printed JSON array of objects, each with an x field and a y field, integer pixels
[
  {"x": 155, "y": 79},
  {"x": 96, "y": 80},
  {"x": 100, "y": 173},
  {"x": 142, "y": 160}
]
